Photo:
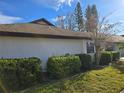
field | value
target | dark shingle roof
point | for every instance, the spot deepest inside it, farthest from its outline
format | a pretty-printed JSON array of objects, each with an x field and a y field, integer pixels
[
  {"x": 40, "y": 28},
  {"x": 42, "y": 21},
  {"x": 43, "y": 28}
]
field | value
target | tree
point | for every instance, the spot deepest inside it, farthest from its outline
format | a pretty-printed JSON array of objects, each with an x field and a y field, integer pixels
[
  {"x": 101, "y": 32},
  {"x": 91, "y": 12},
  {"x": 79, "y": 22},
  {"x": 69, "y": 22},
  {"x": 94, "y": 13},
  {"x": 88, "y": 16},
  {"x": 60, "y": 22}
]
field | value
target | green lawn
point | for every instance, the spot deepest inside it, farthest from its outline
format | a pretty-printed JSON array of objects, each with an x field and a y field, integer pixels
[{"x": 107, "y": 80}]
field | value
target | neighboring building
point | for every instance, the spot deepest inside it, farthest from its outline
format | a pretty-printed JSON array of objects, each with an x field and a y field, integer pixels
[{"x": 42, "y": 39}]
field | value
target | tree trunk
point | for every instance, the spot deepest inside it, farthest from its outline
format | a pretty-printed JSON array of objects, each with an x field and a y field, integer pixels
[{"x": 97, "y": 55}]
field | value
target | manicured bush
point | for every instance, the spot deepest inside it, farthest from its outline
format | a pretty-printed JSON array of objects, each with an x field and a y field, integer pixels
[
  {"x": 115, "y": 55},
  {"x": 21, "y": 72},
  {"x": 63, "y": 66},
  {"x": 109, "y": 56},
  {"x": 2, "y": 88},
  {"x": 106, "y": 58},
  {"x": 86, "y": 61}
]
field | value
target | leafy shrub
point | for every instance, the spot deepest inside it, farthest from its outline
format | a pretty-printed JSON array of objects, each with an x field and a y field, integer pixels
[
  {"x": 115, "y": 55},
  {"x": 106, "y": 58},
  {"x": 67, "y": 54},
  {"x": 86, "y": 61},
  {"x": 109, "y": 56},
  {"x": 63, "y": 66},
  {"x": 21, "y": 72},
  {"x": 2, "y": 88}
]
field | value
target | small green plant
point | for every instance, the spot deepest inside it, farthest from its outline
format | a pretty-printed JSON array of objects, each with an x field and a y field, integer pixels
[{"x": 63, "y": 66}]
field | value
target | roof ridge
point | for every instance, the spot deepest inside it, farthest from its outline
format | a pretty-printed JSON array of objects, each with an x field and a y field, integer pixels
[{"x": 42, "y": 20}]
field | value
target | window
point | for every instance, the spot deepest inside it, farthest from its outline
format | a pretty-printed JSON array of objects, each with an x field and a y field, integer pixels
[{"x": 90, "y": 47}]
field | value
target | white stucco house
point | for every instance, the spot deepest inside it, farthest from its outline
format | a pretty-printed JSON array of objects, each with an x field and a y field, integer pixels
[{"x": 42, "y": 39}]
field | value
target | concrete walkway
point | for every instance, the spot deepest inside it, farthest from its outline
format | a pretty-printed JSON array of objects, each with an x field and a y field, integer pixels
[
  {"x": 122, "y": 59},
  {"x": 122, "y": 91}
]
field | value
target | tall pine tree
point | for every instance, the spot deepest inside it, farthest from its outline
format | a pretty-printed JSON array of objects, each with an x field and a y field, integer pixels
[
  {"x": 79, "y": 22},
  {"x": 95, "y": 14},
  {"x": 91, "y": 18},
  {"x": 88, "y": 16}
]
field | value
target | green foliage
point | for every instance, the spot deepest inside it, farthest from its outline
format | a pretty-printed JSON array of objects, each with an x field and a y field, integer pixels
[
  {"x": 121, "y": 46},
  {"x": 109, "y": 56},
  {"x": 2, "y": 88},
  {"x": 79, "y": 21},
  {"x": 106, "y": 58},
  {"x": 86, "y": 61},
  {"x": 95, "y": 13},
  {"x": 115, "y": 55},
  {"x": 63, "y": 66},
  {"x": 91, "y": 18},
  {"x": 107, "y": 80},
  {"x": 20, "y": 73},
  {"x": 88, "y": 12},
  {"x": 88, "y": 16}
]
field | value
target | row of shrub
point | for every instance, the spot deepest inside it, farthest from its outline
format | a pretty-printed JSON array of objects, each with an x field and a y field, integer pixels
[
  {"x": 24, "y": 72},
  {"x": 63, "y": 66},
  {"x": 20, "y": 73},
  {"x": 109, "y": 56}
]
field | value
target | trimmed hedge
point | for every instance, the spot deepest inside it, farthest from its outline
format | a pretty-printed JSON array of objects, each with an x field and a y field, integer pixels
[
  {"x": 115, "y": 55},
  {"x": 86, "y": 61},
  {"x": 63, "y": 66},
  {"x": 20, "y": 73},
  {"x": 107, "y": 57}
]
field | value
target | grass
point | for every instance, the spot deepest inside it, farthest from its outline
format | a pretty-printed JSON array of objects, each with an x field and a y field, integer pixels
[{"x": 107, "y": 80}]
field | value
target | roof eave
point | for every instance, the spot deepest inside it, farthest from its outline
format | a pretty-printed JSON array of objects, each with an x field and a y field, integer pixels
[{"x": 19, "y": 34}]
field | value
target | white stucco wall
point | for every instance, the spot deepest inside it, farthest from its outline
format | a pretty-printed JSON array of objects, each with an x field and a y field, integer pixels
[{"x": 12, "y": 47}]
